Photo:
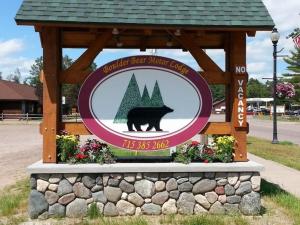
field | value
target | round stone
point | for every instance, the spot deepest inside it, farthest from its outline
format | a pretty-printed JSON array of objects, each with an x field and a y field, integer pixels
[
  {"x": 64, "y": 187},
  {"x": 126, "y": 187},
  {"x": 220, "y": 190},
  {"x": 81, "y": 191},
  {"x": 174, "y": 194},
  {"x": 222, "y": 199},
  {"x": 71, "y": 177},
  {"x": 53, "y": 187},
  {"x": 202, "y": 201},
  {"x": 89, "y": 181},
  {"x": 195, "y": 177},
  {"x": 204, "y": 186},
  {"x": 244, "y": 188},
  {"x": 77, "y": 208},
  {"x": 99, "y": 197},
  {"x": 129, "y": 177},
  {"x": 114, "y": 182},
  {"x": 160, "y": 186},
  {"x": 171, "y": 184},
  {"x": 57, "y": 210},
  {"x": 37, "y": 204},
  {"x": 138, "y": 211},
  {"x": 66, "y": 199},
  {"x": 124, "y": 196},
  {"x": 145, "y": 188},
  {"x": 182, "y": 180},
  {"x": 136, "y": 199},
  {"x": 169, "y": 207},
  {"x": 33, "y": 182},
  {"x": 97, "y": 188},
  {"x": 245, "y": 176},
  {"x": 229, "y": 190},
  {"x": 211, "y": 197},
  {"x": 160, "y": 197},
  {"x": 42, "y": 185},
  {"x": 151, "y": 209},
  {"x": 217, "y": 208},
  {"x": 113, "y": 194},
  {"x": 125, "y": 208},
  {"x": 222, "y": 182},
  {"x": 232, "y": 178},
  {"x": 233, "y": 199},
  {"x": 250, "y": 204},
  {"x": 110, "y": 209},
  {"x": 186, "y": 203},
  {"x": 185, "y": 187},
  {"x": 255, "y": 181},
  {"x": 55, "y": 178},
  {"x": 151, "y": 176},
  {"x": 199, "y": 209},
  {"x": 51, "y": 197}
]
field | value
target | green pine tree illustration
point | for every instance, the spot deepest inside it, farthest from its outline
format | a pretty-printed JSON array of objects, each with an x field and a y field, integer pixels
[
  {"x": 146, "y": 101},
  {"x": 132, "y": 98},
  {"x": 156, "y": 98}
]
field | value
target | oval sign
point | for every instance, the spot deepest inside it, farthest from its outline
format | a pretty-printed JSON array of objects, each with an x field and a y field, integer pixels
[{"x": 145, "y": 103}]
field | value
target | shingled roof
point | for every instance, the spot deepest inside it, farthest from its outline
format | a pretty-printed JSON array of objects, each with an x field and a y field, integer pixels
[
  {"x": 194, "y": 13},
  {"x": 14, "y": 91}
]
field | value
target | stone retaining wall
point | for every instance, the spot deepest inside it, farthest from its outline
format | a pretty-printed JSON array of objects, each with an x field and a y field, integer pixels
[{"x": 144, "y": 193}]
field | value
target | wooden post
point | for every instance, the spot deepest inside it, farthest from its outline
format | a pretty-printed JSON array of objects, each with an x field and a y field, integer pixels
[
  {"x": 238, "y": 104},
  {"x": 51, "y": 92}
]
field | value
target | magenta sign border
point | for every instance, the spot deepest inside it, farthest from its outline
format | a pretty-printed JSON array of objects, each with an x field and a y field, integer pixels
[{"x": 178, "y": 138}]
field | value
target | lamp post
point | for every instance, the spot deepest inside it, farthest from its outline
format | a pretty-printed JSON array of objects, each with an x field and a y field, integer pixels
[{"x": 274, "y": 38}]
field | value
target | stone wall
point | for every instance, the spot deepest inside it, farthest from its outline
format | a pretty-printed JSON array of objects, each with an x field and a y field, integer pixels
[{"x": 144, "y": 193}]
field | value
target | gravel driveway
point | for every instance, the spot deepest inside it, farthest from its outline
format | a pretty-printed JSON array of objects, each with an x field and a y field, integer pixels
[{"x": 20, "y": 145}]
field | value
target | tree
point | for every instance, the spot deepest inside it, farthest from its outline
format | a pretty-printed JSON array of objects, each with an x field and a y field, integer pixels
[
  {"x": 256, "y": 89},
  {"x": 1, "y": 76},
  {"x": 146, "y": 101},
  {"x": 131, "y": 99},
  {"x": 34, "y": 78},
  {"x": 15, "y": 76},
  {"x": 156, "y": 98},
  {"x": 218, "y": 92}
]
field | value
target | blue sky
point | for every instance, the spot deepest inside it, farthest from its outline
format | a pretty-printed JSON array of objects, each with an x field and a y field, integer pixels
[{"x": 20, "y": 45}]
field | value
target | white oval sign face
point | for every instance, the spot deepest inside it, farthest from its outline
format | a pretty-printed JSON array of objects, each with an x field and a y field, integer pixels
[{"x": 145, "y": 103}]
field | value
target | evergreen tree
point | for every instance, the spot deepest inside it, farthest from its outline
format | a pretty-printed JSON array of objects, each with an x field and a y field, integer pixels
[
  {"x": 293, "y": 62},
  {"x": 146, "y": 101},
  {"x": 132, "y": 98},
  {"x": 156, "y": 98}
]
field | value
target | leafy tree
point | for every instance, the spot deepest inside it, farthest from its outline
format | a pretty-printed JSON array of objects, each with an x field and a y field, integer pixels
[
  {"x": 132, "y": 98},
  {"x": 156, "y": 98},
  {"x": 218, "y": 92},
  {"x": 15, "y": 76},
  {"x": 1, "y": 76},
  {"x": 256, "y": 89},
  {"x": 146, "y": 101}
]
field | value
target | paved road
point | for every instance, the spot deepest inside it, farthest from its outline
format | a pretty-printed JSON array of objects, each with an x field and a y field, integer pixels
[
  {"x": 287, "y": 131},
  {"x": 20, "y": 145}
]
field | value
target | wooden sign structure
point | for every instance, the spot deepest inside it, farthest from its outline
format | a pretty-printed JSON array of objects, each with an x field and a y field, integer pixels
[
  {"x": 178, "y": 109},
  {"x": 96, "y": 36}
]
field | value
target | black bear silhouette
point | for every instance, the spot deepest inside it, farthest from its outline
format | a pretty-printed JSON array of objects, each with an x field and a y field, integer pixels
[{"x": 146, "y": 115}]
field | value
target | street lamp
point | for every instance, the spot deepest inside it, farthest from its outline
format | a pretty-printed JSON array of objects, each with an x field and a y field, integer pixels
[{"x": 274, "y": 38}]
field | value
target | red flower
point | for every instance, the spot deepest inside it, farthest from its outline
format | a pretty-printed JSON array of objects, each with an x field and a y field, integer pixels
[
  {"x": 195, "y": 143},
  {"x": 206, "y": 161},
  {"x": 80, "y": 156}
]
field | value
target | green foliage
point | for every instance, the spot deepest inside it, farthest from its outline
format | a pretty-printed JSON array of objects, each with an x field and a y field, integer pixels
[
  {"x": 283, "y": 199},
  {"x": 131, "y": 99},
  {"x": 256, "y": 89},
  {"x": 156, "y": 98},
  {"x": 146, "y": 101},
  {"x": 219, "y": 151},
  {"x": 288, "y": 155},
  {"x": 225, "y": 147},
  {"x": 218, "y": 92},
  {"x": 14, "y": 197},
  {"x": 67, "y": 146},
  {"x": 93, "y": 212}
]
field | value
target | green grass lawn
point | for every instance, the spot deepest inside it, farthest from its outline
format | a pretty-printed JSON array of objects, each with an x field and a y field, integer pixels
[{"x": 285, "y": 152}]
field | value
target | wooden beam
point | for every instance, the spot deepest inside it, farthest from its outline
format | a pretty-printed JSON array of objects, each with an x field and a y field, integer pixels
[
  {"x": 131, "y": 39},
  {"x": 217, "y": 128},
  {"x": 237, "y": 59},
  {"x": 81, "y": 66},
  {"x": 204, "y": 61},
  {"x": 51, "y": 92},
  {"x": 210, "y": 128},
  {"x": 216, "y": 77}
]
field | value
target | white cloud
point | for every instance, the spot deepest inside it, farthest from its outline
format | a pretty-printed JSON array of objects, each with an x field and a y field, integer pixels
[{"x": 9, "y": 59}]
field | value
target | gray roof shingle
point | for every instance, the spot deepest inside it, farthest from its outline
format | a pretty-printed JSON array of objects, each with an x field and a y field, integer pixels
[{"x": 196, "y": 13}]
